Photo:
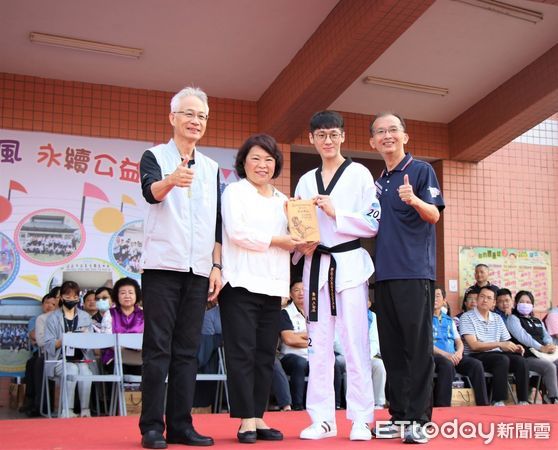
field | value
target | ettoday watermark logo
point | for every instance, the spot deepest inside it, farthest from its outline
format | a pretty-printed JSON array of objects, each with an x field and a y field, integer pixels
[{"x": 455, "y": 429}]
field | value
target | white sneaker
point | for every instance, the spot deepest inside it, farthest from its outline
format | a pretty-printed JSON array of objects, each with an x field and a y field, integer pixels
[
  {"x": 319, "y": 431},
  {"x": 70, "y": 415},
  {"x": 85, "y": 413},
  {"x": 498, "y": 404},
  {"x": 523, "y": 403},
  {"x": 360, "y": 432}
]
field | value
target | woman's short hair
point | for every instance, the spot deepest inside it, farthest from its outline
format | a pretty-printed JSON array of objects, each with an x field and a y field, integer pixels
[
  {"x": 69, "y": 287},
  {"x": 267, "y": 143},
  {"x": 126, "y": 281},
  {"x": 521, "y": 294}
]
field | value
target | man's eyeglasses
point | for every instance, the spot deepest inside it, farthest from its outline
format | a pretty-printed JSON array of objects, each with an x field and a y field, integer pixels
[
  {"x": 335, "y": 136},
  {"x": 383, "y": 131},
  {"x": 189, "y": 115}
]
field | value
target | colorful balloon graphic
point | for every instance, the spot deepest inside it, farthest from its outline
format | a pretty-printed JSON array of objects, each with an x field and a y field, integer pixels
[{"x": 108, "y": 220}]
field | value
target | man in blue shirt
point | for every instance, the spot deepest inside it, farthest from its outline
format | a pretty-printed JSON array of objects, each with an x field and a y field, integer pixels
[{"x": 405, "y": 261}]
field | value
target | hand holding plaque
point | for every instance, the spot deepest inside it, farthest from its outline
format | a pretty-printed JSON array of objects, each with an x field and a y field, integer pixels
[{"x": 303, "y": 220}]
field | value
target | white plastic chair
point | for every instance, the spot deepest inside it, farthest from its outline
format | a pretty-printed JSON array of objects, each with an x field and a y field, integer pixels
[
  {"x": 220, "y": 377},
  {"x": 90, "y": 341},
  {"x": 132, "y": 341}
]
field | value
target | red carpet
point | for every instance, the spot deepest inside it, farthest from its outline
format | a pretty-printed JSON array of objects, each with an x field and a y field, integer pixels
[{"x": 122, "y": 432}]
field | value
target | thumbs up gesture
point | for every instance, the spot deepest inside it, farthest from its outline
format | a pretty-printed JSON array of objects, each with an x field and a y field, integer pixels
[
  {"x": 406, "y": 193},
  {"x": 183, "y": 175}
]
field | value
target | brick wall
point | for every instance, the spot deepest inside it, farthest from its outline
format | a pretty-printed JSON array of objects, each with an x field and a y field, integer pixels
[
  {"x": 509, "y": 199},
  {"x": 71, "y": 107}
]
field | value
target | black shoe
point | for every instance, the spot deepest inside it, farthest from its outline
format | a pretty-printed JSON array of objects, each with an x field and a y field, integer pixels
[
  {"x": 247, "y": 437},
  {"x": 189, "y": 437},
  {"x": 32, "y": 413},
  {"x": 269, "y": 434},
  {"x": 153, "y": 439},
  {"x": 298, "y": 407}
]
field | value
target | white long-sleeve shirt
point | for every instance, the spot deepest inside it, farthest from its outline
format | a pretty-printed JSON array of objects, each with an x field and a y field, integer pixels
[{"x": 250, "y": 220}]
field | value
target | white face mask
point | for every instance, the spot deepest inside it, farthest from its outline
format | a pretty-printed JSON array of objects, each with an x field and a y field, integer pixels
[
  {"x": 525, "y": 308},
  {"x": 444, "y": 309},
  {"x": 103, "y": 305}
]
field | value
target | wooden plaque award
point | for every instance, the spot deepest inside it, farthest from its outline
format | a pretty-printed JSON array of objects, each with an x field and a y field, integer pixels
[{"x": 303, "y": 220}]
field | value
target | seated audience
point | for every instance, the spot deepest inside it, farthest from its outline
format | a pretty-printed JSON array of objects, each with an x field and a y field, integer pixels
[
  {"x": 127, "y": 317},
  {"x": 504, "y": 303},
  {"x": 378, "y": 368},
  {"x": 551, "y": 323},
  {"x": 90, "y": 303},
  {"x": 529, "y": 332},
  {"x": 70, "y": 319},
  {"x": 482, "y": 274},
  {"x": 294, "y": 343},
  {"x": 449, "y": 358},
  {"x": 280, "y": 387},
  {"x": 34, "y": 366},
  {"x": 488, "y": 340},
  {"x": 469, "y": 302},
  {"x": 103, "y": 319},
  {"x": 208, "y": 355}
]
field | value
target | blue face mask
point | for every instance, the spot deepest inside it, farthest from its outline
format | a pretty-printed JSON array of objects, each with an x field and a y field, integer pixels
[
  {"x": 444, "y": 309},
  {"x": 103, "y": 305}
]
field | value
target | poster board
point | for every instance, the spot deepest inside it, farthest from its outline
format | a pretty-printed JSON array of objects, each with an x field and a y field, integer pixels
[
  {"x": 511, "y": 268},
  {"x": 70, "y": 206}
]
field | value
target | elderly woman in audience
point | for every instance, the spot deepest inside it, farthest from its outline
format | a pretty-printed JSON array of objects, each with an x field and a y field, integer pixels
[
  {"x": 530, "y": 332},
  {"x": 127, "y": 317},
  {"x": 70, "y": 319},
  {"x": 256, "y": 247}
]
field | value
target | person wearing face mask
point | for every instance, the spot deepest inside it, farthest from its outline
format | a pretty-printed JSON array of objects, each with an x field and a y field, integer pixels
[
  {"x": 103, "y": 297},
  {"x": 529, "y": 332},
  {"x": 70, "y": 319}
]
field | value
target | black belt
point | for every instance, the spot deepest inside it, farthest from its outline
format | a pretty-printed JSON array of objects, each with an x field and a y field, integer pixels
[{"x": 315, "y": 275}]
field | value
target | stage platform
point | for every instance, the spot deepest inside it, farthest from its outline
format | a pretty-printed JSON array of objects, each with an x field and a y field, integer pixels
[{"x": 513, "y": 427}]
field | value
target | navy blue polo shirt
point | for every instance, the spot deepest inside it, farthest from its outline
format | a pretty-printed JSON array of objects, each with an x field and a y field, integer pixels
[{"x": 406, "y": 244}]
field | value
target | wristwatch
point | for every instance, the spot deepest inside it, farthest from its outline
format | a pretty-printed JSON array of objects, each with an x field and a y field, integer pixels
[{"x": 218, "y": 266}]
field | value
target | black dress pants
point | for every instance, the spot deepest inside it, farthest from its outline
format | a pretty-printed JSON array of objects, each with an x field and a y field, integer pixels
[
  {"x": 404, "y": 312},
  {"x": 250, "y": 333},
  {"x": 500, "y": 364},
  {"x": 173, "y": 308},
  {"x": 470, "y": 367}
]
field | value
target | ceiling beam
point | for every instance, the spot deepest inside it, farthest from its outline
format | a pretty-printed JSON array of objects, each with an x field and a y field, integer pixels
[
  {"x": 520, "y": 103},
  {"x": 346, "y": 43}
]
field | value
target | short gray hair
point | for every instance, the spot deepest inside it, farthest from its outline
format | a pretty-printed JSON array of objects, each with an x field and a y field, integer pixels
[{"x": 189, "y": 91}]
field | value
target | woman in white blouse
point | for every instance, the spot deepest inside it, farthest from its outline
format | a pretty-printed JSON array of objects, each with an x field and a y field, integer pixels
[{"x": 256, "y": 267}]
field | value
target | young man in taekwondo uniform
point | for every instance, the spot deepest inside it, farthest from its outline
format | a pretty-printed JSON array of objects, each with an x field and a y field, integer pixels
[{"x": 335, "y": 277}]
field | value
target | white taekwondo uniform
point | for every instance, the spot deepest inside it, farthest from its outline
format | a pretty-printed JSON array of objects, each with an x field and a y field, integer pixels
[{"x": 353, "y": 195}]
